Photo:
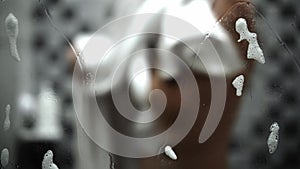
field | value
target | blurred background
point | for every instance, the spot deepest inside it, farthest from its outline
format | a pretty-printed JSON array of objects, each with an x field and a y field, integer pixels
[{"x": 273, "y": 93}]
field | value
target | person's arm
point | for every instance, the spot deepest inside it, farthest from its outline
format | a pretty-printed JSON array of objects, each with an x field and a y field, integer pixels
[{"x": 213, "y": 153}]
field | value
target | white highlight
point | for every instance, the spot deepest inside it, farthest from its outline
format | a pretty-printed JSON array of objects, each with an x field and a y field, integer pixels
[
  {"x": 48, "y": 161},
  {"x": 254, "y": 50},
  {"x": 12, "y": 30},
  {"x": 4, "y": 157},
  {"x": 273, "y": 137},
  {"x": 170, "y": 153},
  {"x": 47, "y": 117},
  {"x": 6, "y": 124},
  {"x": 238, "y": 84}
]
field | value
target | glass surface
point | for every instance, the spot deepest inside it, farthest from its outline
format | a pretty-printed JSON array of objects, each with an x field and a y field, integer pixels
[{"x": 37, "y": 93}]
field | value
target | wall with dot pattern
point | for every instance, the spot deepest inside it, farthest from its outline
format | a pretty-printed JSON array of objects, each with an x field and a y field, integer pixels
[{"x": 273, "y": 94}]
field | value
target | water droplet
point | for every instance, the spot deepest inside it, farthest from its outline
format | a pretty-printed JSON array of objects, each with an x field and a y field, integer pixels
[
  {"x": 238, "y": 84},
  {"x": 254, "y": 50},
  {"x": 12, "y": 30},
  {"x": 48, "y": 161},
  {"x": 6, "y": 124},
  {"x": 4, "y": 157},
  {"x": 170, "y": 153},
  {"x": 273, "y": 138},
  {"x": 88, "y": 79}
]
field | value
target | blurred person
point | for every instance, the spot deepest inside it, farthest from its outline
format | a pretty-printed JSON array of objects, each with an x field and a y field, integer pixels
[{"x": 191, "y": 154}]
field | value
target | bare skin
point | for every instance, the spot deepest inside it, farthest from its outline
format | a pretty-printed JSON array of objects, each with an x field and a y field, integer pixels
[{"x": 213, "y": 153}]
